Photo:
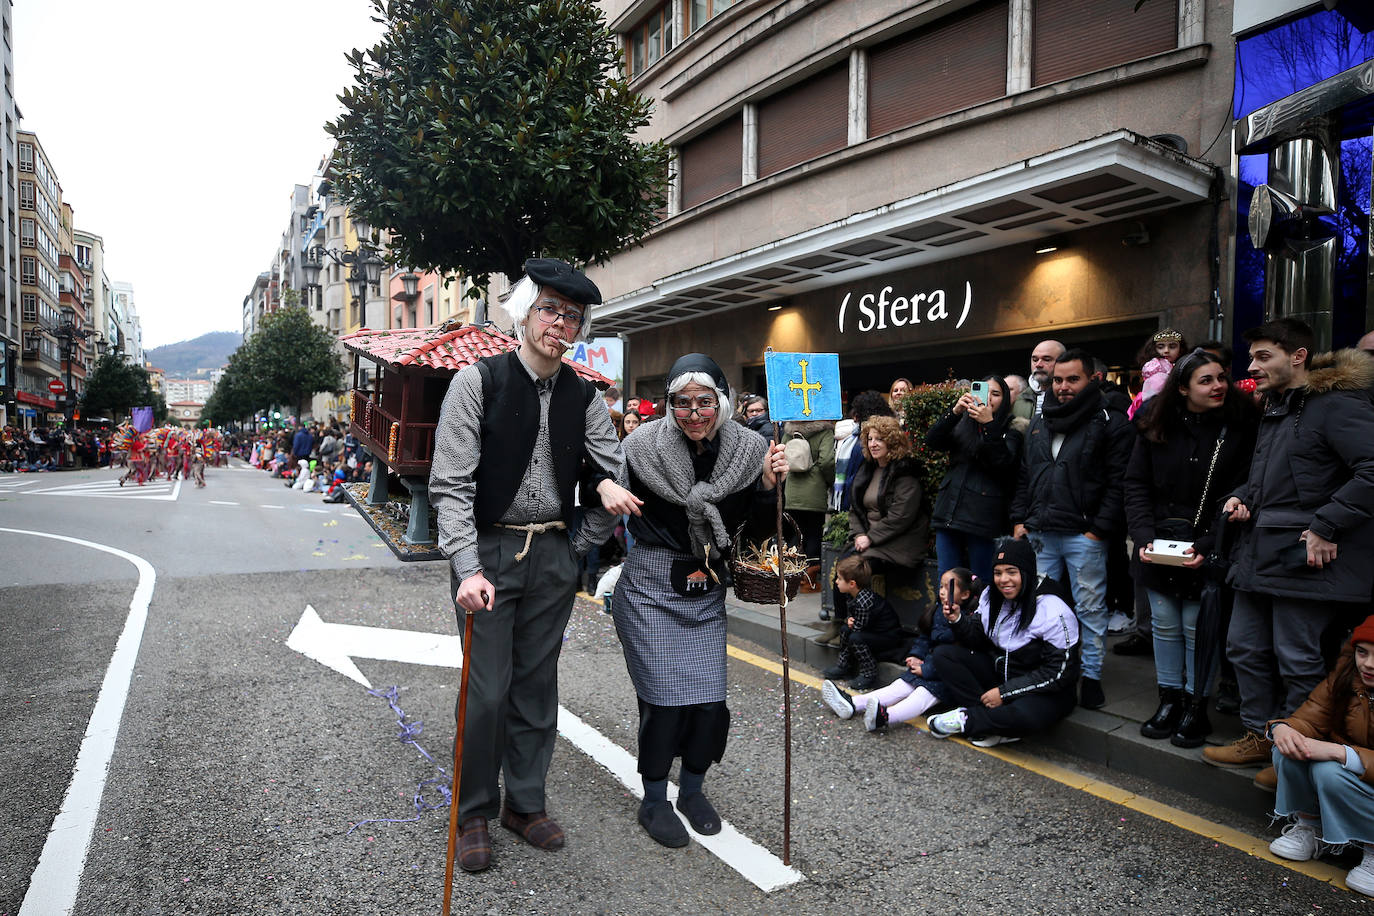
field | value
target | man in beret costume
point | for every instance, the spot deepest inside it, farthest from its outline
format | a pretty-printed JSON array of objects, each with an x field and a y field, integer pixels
[{"x": 517, "y": 433}]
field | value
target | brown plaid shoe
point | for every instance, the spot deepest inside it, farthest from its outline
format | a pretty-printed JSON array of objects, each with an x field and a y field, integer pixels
[
  {"x": 537, "y": 829},
  {"x": 474, "y": 845}
]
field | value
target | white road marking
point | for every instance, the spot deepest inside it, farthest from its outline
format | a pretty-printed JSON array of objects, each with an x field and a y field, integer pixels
[
  {"x": 271, "y": 507},
  {"x": 13, "y": 484},
  {"x": 220, "y": 502},
  {"x": 335, "y": 645},
  {"x": 53, "y": 886},
  {"x": 110, "y": 489},
  {"x": 321, "y": 511}
]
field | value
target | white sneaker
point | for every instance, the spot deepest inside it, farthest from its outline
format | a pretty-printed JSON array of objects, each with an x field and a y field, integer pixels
[
  {"x": 992, "y": 741},
  {"x": 1298, "y": 843},
  {"x": 947, "y": 723},
  {"x": 1119, "y": 624},
  {"x": 838, "y": 701},
  {"x": 875, "y": 715},
  {"x": 1361, "y": 877}
]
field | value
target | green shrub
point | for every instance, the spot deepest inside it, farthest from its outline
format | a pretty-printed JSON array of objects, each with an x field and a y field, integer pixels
[
  {"x": 836, "y": 531},
  {"x": 922, "y": 408}
]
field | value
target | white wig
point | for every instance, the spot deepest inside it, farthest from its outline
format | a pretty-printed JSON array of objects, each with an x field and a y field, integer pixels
[
  {"x": 523, "y": 297},
  {"x": 723, "y": 398}
]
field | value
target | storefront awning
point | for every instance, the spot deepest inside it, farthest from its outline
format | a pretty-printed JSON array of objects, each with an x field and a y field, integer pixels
[{"x": 1117, "y": 176}]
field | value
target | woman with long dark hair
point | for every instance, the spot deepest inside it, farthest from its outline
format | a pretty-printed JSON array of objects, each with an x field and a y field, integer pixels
[
  {"x": 984, "y": 445},
  {"x": 1196, "y": 439}
]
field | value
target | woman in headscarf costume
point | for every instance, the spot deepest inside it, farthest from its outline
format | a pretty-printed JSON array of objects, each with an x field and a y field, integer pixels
[{"x": 698, "y": 475}]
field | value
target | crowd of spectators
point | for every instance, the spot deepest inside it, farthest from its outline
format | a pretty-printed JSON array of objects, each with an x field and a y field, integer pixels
[
  {"x": 52, "y": 448},
  {"x": 315, "y": 458}
]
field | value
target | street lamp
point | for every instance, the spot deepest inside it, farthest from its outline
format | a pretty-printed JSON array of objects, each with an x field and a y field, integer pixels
[
  {"x": 364, "y": 263},
  {"x": 67, "y": 334}
]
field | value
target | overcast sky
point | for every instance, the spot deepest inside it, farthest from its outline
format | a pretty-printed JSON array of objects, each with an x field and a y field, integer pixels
[{"x": 177, "y": 129}]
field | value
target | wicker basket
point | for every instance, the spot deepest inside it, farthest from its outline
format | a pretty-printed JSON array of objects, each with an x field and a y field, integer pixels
[{"x": 760, "y": 586}]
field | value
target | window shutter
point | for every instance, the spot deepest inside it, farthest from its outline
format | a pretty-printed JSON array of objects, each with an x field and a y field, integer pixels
[
  {"x": 804, "y": 121},
  {"x": 712, "y": 163},
  {"x": 951, "y": 64},
  {"x": 1073, "y": 37}
]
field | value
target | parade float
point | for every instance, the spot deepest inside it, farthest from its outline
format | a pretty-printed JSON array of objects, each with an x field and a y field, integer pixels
[{"x": 394, "y": 410}]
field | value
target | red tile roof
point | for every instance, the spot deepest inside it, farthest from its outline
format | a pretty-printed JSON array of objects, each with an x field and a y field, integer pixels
[{"x": 440, "y": 348}]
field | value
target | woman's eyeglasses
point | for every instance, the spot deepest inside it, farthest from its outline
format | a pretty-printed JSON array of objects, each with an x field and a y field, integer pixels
[{"x": 702, "y": 407}]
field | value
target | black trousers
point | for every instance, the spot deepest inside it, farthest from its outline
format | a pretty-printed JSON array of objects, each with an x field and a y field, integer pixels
[
  {"x": 968, "y": 675},
  {"x": 696, "y": 733}
]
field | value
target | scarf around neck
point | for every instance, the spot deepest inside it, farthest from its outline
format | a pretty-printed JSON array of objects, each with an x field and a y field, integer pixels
[
  {"x": 659, "y": 454},
  {"x": 1061, "y": 418}
]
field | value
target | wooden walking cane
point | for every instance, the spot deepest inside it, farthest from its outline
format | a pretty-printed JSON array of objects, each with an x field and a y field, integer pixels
[
  {"x": 786, "y": 683},
  {"x": 458, "y": 756}
]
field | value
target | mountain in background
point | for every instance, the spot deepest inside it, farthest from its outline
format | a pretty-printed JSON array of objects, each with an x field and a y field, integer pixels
[{"x": 208, "y": 351}]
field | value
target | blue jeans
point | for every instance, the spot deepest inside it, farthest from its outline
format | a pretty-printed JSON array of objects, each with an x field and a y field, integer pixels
[
  {"x": 1084, "y": 560},
  {"x": 1175, "y": 637},
  {"x": 952, "y": 546},
  {"x": 1325, "y": 788}
]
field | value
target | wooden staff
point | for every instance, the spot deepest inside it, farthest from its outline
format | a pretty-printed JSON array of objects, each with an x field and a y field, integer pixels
[
  {"x": 786, "y": 683},
  {"x": 458, "y": 757}
]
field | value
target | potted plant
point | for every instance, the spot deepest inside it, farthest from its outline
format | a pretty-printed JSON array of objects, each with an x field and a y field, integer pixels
[{"x": 833, "y": 538}]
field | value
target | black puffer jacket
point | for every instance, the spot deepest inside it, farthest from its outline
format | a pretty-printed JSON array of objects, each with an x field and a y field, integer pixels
[
  {"x": 1313, "y": 468},
  {"x": 977, "y": 489},
  {"x": 1165, "y": 480},
  {"x": 1080, "y": 490}
]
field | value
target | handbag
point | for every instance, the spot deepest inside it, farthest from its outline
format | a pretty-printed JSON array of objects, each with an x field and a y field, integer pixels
[
  {"x": 797, "y": 451},
  {"x": 1184, "y": 530}
]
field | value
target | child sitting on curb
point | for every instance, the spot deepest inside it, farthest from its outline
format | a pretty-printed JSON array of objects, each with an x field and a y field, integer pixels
[
  {"x": 918, "y": 688},
  {"x": 872, "y": 628}
]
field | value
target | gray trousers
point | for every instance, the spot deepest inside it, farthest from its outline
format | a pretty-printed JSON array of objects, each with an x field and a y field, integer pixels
[
  {"x": 1275, "y": 645},
  {"x": 512, "y": 715}
]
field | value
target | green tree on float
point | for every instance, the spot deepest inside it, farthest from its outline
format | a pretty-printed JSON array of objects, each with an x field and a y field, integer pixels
[
  {"x": 289, "y": 360},
  {"x": 115, "y": 387},
  {"x": 483, "y": 132}
]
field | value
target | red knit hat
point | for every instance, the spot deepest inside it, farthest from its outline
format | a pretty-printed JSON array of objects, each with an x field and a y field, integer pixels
[{"x": 1364, "y": 632}]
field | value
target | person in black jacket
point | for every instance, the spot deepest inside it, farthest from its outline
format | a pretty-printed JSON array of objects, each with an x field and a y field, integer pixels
[
  {"x": 1015, "y": 664},
  {"x": 1303, "y": 567},
  {"x": 1069, "y": 498},
  {"x": 984, "y": 442},
  {"x": 1196, "y": 439}
]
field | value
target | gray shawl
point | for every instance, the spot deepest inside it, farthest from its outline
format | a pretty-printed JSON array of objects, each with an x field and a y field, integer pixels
[{"x": 658, "y": 453}]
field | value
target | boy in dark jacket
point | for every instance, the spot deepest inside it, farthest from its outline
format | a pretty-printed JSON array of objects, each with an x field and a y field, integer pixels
[
  {"x": 871, "y": 629},
  {"x": 1303, "y": 567}
]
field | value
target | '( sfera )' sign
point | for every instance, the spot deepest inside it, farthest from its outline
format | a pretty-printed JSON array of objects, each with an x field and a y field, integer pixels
[{"x": 878, "y": 312}]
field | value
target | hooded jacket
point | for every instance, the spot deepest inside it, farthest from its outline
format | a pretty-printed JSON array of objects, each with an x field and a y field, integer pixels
[
  {"x": 1313, "y": 468},
  {"x": 809, "y": 491},
  {"x": 1080, "y": 489}
]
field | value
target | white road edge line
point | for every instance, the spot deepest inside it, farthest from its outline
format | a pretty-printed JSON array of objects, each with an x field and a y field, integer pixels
[
  {"x": 53, "y": 886},
  {"x": 763, "y": 869}
]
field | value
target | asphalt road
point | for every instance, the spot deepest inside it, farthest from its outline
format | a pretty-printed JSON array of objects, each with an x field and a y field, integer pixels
[{"x": 241, "y": 764}]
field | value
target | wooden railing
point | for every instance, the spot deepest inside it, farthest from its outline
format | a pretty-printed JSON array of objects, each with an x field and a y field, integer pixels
[{"x": 413, "y": 447}]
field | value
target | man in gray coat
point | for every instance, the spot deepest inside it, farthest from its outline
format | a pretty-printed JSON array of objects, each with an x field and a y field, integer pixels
[
  {"x": 1304, "y": 566},
  {"x": 517, "y": 434}
]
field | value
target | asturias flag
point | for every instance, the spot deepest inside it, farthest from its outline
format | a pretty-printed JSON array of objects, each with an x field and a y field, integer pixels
[{"x": 803, "y": 386}]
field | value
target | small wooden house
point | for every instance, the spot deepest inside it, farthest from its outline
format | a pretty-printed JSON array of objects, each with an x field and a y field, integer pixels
[{"x": 395, "y": 414}]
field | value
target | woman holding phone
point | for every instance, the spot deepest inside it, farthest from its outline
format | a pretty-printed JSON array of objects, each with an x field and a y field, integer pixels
[{"x": 983, "y": 440}]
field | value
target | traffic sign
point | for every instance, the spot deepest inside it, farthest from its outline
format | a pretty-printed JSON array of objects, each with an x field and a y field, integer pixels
[{"x": 56, "y": 386}]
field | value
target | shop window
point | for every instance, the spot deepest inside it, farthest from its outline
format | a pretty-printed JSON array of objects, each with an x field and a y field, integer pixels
[
  {"x": 712, "y": 164},
  {"x": 703, "y": 11},
  {"x": 1277, "y": 62},
  {"x": 1073, "y": 37},
  {"x": 804, "y": 121},
  {"x": 650, "y": 39},
  {"x": 954, "y": 63}
]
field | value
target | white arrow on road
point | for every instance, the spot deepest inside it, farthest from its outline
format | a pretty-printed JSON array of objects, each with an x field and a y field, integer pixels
[{"x": 335, "y": 645}]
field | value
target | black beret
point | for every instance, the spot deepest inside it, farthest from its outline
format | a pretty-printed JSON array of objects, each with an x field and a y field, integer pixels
[
  {"x": 565, "y": 278},
  {"x": 699, "y": 362}
]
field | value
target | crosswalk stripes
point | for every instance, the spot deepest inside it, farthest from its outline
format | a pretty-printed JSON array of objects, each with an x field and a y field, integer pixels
[
  {"x": 10, "y": 484},
  {"x": 164, "y": 490}
]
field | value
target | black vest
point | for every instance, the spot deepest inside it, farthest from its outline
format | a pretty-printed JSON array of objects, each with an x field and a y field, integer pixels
[{"x": 510, "y": 428}]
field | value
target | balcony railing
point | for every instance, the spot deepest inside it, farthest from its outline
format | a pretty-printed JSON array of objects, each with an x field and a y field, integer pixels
[{"x": 407, "y": 447}]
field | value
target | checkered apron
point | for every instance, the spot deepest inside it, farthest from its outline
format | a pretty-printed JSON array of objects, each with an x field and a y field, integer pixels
[{"x": 674, "y": 645}]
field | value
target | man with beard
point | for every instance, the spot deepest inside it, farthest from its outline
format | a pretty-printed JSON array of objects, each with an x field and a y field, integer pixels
[
  {"x": 1032, "y": 398},
  {"x": 516, "y": 434},
  {"x": 1069, "y": 500}
]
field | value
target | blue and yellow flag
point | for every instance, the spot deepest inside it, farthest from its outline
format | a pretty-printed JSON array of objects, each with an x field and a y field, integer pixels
[{"x": 803, "y": 386}]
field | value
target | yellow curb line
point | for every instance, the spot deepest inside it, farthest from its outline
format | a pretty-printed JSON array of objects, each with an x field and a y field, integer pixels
[
  {"x": 1218, "y": 833},
  {"x": 1226, "y": 836}
]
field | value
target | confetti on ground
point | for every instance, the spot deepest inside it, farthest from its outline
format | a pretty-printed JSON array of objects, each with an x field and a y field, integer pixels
[{"x": 331, "y": 523}]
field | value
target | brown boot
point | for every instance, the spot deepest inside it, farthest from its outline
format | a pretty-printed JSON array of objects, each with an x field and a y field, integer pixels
[
  {"x": 831, "y": 636},
  {"x": 1249, "y": 750},
  {"x": 1268, "y": 780}
]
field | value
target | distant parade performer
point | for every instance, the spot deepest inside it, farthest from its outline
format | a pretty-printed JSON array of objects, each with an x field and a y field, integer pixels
[
  {"x": 198, "y": 466},
  {"x": 139, "y": 458},
  {"x": 697, "y": 473},
  {"x": 525, "y": 427}
]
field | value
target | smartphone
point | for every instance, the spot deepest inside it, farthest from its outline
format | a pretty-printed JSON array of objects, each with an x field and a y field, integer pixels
[{"x": 979, "y": 390}]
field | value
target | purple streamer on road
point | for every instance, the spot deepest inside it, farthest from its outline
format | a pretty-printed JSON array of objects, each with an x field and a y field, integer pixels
[{"x": 442, "y": 783}]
